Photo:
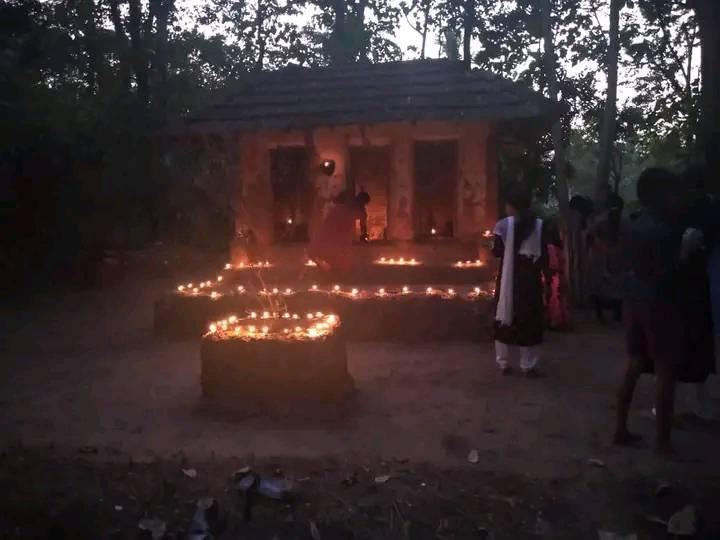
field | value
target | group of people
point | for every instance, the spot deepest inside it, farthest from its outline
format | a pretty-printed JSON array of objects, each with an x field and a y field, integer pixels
[{"x": 657, "y": 269}]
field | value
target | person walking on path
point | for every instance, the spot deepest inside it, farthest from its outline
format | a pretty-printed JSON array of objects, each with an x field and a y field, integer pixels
[
  {"x": 519, "y": 314},
  {"x": 653, "y": 322}
]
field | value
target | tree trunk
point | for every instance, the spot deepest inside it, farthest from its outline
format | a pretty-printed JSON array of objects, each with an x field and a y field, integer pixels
[
  {"x": 426, "y": 20},
  {"x": 139, "y": 60},
  {"x": 468, "y": 26},
  {"x": 570, "y": 230},
  {"x": 94, "y": 75},
  {"x": 338, "y": 52},
  {"x": 122, "y": 46},
  {"x": 708, "y": 15},
  {"x": 553, "y": 92},
  {"x": 160, "y": 62},
  {"x": 608, "y": 128},
  {"x": 260, "y": 36}
]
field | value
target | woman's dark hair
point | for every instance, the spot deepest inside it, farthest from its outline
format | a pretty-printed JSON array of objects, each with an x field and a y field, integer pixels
[
  {"x": 583, "y": 206},
  {"x": 521, "y": 200},
  {"x": 362, "y": 198},
  {"x": 695, "y": 177},
  {"x": 653, "y": 187},
  {"x": 552, "y": 232},
  {"x": 615, "y": 205}
]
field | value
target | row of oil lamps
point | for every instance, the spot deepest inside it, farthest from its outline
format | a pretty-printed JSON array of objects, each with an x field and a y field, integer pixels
[
  {"x": 275, "y": 326},
  {"x": 351, "y": 293}
]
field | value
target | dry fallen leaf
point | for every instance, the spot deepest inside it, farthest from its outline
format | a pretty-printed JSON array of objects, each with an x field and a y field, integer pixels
[
  {"x": 683, "y": 522},
  {"x": 190, "y": 473},
  {"x": 382, "y": 479},
  {"x": 314, "y": 531},
  {"x": 474, "y": 456},
  {"x": 155, "y": 526},
  {"x": 662, "y": 488},
  {"x": 596, "y": 463}
]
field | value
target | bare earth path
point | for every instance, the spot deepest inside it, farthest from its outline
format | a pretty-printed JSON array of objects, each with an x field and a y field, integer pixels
[{"x": 85, "y": 370}]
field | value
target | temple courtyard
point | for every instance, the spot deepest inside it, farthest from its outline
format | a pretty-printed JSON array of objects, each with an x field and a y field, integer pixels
[{"x": 435, "y": 443}]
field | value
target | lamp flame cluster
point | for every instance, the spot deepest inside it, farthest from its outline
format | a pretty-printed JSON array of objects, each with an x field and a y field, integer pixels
[
  {"x": 400, "y": 261},
  {"x": 477, "y": 263},
  {"x": 275, "y": 326}
]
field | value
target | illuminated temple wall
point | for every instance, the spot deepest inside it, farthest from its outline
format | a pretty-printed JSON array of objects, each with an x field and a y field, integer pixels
[{"x": 476, "y": 185}]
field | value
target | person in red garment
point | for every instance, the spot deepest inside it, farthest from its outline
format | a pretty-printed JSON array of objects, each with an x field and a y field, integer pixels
[{"x": 331, "y": 246}]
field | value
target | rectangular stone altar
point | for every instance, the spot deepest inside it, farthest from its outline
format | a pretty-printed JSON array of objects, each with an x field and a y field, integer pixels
[{"x": 271, "y": 362}]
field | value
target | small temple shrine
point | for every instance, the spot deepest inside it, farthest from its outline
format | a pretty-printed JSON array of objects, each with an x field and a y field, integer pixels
[{"x": 421, "y": 137}]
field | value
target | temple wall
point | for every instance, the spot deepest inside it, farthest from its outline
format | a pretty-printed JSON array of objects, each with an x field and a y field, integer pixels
[{"x": 476, "y": 187}]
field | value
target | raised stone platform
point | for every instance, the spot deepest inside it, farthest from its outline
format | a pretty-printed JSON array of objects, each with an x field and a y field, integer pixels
[
  {"x": 275, "y": 363},
  {"x": 413, "y": 314}
]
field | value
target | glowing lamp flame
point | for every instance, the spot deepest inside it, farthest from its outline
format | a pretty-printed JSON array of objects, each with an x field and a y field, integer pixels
[
  {"x": 451, "y": 292},
  {"x": 336, "y": 288},
  {"x": 181, "y": 288},
  {"x": 213, "y": 328},
  {"x": 429, "y": 290},
  {"x": 405, "y": 290},
  {"x": 433, "y": 232},
  {"x": 354, "y": 292}
]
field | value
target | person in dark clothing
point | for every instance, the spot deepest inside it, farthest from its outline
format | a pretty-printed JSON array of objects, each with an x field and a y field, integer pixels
[
  {"x": 653, "y": 324},
  {"x": 699, "y": 227},
  {"x": 607, "y": 260},
  {"x": 519, "y": 315}
]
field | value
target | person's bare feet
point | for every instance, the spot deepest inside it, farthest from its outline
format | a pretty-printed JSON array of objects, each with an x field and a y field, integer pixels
[{"x": 626, "y": 438}]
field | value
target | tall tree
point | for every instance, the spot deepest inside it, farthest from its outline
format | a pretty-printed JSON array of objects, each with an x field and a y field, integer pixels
[
  {"x": 608, "y": 124},
  {"x": 553, "y": 90},
  {"x": 708, "y": 14}
]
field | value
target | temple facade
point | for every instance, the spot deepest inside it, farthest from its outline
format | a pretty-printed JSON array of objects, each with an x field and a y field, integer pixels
[{"x": 422, "y": 138}]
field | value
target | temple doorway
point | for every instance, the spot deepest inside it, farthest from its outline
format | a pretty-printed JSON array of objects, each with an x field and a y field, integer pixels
[
  {"x": 436, "y": 172},
  {"x": 370, "y": 171},
  {"x": 293, "y": 193}
]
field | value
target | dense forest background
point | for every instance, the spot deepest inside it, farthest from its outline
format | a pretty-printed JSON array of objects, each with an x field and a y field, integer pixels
[{"x": 86, "y": 86}]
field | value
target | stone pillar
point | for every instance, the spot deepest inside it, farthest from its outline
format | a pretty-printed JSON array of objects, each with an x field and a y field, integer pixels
[
  {"x": 492, "y": 186},
  {"x": 472, "y": 181},
  {"x": 400, "y": 213}
]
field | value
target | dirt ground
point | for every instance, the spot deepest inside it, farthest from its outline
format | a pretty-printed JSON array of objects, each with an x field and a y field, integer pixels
[{"x": 99, "y": 419}]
